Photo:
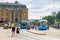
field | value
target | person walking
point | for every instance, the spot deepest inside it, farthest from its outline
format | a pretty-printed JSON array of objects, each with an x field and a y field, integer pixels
[
  {"x": 28, "y": 28},
  {"x": 13, "y": 29},
  {"x": 18, "y": 29},
  {"x": 36, "y": 27}
]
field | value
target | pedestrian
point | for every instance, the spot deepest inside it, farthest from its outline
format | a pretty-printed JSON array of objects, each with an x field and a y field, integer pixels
[
  {"x": 5, "y": 27},
  {"x": 36, "y": 27},
  {"x": 32, "y": 26},
  {"x": 17, "y": 30},
  {"x": 13, "y": 29},
  {"x": 28, "y": 28}
]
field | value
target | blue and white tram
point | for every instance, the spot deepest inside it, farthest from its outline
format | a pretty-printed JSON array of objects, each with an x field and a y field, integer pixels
[
  {"x": 43, "y": 25},
  {"x": 24, "y": 24}
]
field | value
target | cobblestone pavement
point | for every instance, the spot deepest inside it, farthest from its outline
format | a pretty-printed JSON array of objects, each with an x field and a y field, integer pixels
[
  {"x": 5, "y": 34},
  {"x": 52, "y": 32}
]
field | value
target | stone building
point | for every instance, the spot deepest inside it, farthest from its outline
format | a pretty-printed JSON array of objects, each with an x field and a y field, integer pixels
[{"x": 13, "y": 12}]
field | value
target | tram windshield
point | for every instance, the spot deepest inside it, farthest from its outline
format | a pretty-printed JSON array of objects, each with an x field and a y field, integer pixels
[
  {"x": 23, "y": 23},
  {"x": 43, "y": 23}
]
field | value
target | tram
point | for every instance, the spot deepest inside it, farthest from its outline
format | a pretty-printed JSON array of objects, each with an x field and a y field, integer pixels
[
  {"x": 24, "y": 24},
  {"x": 43, "y": 25}
]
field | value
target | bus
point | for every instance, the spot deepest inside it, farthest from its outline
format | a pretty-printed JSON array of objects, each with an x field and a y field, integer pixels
[{"x": 42, "y": 25}]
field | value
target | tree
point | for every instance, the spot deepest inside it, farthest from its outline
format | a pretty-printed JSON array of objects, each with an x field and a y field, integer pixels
[
  {"x": 58, "y": 17},
  {"x": 50, "y": 19},
  {"x": 45, "y": 17},
  {"x": 35, "y": 22}
]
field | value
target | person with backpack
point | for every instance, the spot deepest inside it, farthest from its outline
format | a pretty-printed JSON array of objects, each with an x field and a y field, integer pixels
[{"x": 17, "y": 29}]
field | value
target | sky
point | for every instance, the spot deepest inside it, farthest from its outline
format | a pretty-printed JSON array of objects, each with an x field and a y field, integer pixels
[{"x": 38, "y": 8}]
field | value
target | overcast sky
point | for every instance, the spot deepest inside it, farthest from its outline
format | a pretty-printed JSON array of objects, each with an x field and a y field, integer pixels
[{"x": 38, "y": 8}]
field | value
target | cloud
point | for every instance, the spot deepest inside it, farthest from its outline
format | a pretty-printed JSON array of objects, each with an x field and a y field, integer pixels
[
  {"x": 30, "y": 6},
  {"x": 47, "y": 10},
  {"x": 38, "y": 8}
]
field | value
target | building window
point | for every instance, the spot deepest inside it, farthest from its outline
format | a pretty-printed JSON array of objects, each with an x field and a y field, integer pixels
[
  {"x": 16, "y": 19},
  {"x": 16, "y": 14},
  {"x": 2, "y": 14},
  {"x": 12, "y": 13},
  {"x": 6, "y": 19},
  {"x": 7, "y": 12},
  {"x": 2, "y": 19},
  {"x": 19, "y": 14}
]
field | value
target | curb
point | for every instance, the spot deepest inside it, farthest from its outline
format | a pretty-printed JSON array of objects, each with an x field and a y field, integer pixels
[{"x": 36, "y": 33}]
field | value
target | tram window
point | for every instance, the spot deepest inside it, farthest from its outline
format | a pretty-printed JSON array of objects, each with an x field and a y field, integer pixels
[
  {"x": 42, "y": 23},
  {"x": 23, "y": 24}
]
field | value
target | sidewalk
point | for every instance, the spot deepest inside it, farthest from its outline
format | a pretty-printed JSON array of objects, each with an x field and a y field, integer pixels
[
  {"x": 54, "y": 33},
  {"x": 5, "y": 34},
  {"x": 4, "y": 38},
  {"x": 2, "y": 34}
]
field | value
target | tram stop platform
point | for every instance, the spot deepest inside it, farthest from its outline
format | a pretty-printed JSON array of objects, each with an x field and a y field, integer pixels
[
  {"x": 38, "y": 32},
  {"x": 52, "y": 32}
]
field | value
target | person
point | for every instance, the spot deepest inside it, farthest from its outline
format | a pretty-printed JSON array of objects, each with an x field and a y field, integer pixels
[
  {"x": 28, "y": 28},
  {"x": 36, "y": 27},
  {"x": 5, "y": 27},
  {"x": 17, "y": 30},
  {"x": 13, "y": 29},
  {"x": 20, "y": 26},
  {"x": 9, "y": 25},
  {"x": 32, "y": 26}
]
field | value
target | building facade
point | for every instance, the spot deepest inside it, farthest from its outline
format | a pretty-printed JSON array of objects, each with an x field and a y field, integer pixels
[{"x": 13, "y": 12}]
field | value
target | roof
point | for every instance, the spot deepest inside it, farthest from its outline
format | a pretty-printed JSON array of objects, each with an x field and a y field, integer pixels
[
  {"x": 42, "y": 20},
  {"x": 6, "y": 4}
]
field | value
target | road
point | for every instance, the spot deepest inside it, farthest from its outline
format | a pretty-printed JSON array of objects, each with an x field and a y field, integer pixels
[{"x": 24, "y": 35}]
